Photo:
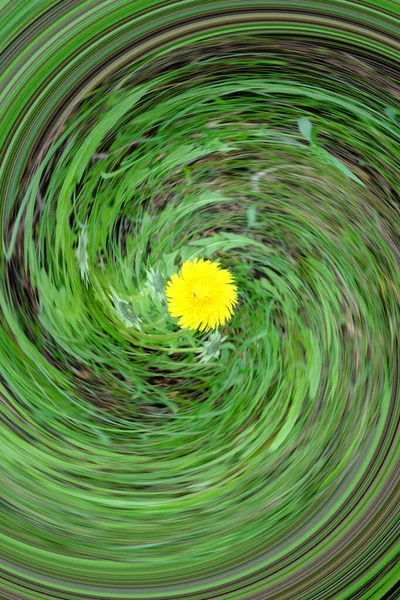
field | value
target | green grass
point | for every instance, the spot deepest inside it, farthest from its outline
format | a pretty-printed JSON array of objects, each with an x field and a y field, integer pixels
[{"x": 137, "y": 459}]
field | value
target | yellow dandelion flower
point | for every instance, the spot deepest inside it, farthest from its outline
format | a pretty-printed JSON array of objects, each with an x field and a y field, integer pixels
[{"x": 202, "y": 296}]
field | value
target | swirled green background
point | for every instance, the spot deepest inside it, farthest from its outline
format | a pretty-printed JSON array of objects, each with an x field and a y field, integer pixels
[{"x": 139, "y": 460}]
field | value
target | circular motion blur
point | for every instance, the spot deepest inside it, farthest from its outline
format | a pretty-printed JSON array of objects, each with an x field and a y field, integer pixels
[{"x": 199, "y": 299}]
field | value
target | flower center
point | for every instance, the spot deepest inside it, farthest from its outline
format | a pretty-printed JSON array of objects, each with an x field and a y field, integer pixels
[{"x": 201, "y": 292}]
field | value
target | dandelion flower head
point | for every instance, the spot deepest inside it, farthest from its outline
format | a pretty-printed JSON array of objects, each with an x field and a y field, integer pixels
[{"x": 202, "y": 296}]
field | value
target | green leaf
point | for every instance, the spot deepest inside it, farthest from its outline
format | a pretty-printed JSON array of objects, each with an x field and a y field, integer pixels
[
  {"x": 305, "y": 128},
  {"x": 251, "y": 216},
  {"x": 329, "y": 159}
]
